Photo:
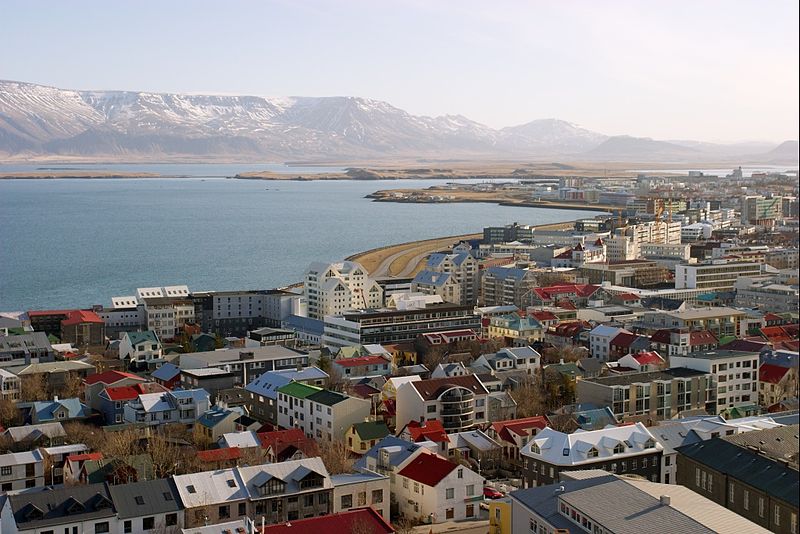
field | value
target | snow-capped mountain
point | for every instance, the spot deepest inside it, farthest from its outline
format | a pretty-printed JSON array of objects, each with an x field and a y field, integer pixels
[{"x": 39, "y": 120}]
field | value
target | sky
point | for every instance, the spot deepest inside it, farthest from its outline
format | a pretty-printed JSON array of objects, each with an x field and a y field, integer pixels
[{"x": 722, "y": 71}]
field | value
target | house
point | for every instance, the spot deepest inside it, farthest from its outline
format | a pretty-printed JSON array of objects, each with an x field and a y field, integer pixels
[
  {"x": 141, "y": 350},
  {"x": 24, "y": 349},
  {"x": 111, "y": 470},
  {"x": 444, "y": 285},
  {"x": 243, "y": 439},
  {"x": 111, "y": 401},
  {"x": 28, "y": 437},
  {"x": 578, "y": 295},
  {"x": 568, "y": 333},
  {"x": 83, "y": 328},
  {"x": 753, "y": 474},
  {"x": 291, "y": 444},
  {"x": 357, "y": 490},
  {"x": 677, "y": 342},
  {"x": 626, "y": 343},
  {"x": 57, "y": 410},
  {"x": 389, "y": 390},
  {"x": 445, "y": 370},
  {"x": 458, "y": 402},
  {"x": 597, "y": 501},
  {"x": 652, "y": 396},
  {"x": 262, "y": 392},
  {"x": 94, "y": 384},
  {"x": 148, "y": 505},
  {"x": 476, "y": 449},
  {"x": 735, "y": 374},
  {"x": 524, "y": 359},
  {"x": 56, "y": 375},
  {"x": 365, "y": 519},
  {"x": 431, "y": 431},
  {"x": 629, "y": 449},
  {"x": 361, "y": 437},
  {"x": 643, "y": 362},
  {"x": 776, "y": 383},
  {"x": 181, "y": 406},
  {"x": 431, "y": 487},
  {"x": 600, "y": 338},
  {"x": 211, "y": 379},
  {"x": 506, "y": 286},
  {"x": 287, "y": 491},
  {"x": 217, "y": 459},
  {"x": 320, "y": 413},
  {"x": 362, "y": 367},
  {"x": 88, "y": 508},
  {"x": 502, "y": 406},
  {"x": 513, "y": 434},
  {"x": 217, "y": 421},
  {"x": 168, "y": 375},
  {"x": 247, "y": 362},
  {"x": 515, "y": 330},
  {"x": 20, "y": 470},
  {"x": 211, "y": 497},
  {"x": 10, "y": 387},
  {"x": 585, "y": 416}
]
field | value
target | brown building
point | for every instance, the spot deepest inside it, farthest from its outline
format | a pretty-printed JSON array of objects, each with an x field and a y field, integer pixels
[
  {"x": 83, "y": 328},
  {"x": 754, "y": 474},
  {"x": 631, "y": 273}
]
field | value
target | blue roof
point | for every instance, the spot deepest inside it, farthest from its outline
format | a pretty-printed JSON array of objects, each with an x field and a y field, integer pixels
[
  {"x": 194, "y": 394},
  {"x": 603, "y": 330},
  {"x": 216, "y": 415},
  {"x": 138, "y": 337},
  {"x": 595, "y": 419},
  {"x": 435, "y": 259},
  {"x": 304, "y": 324},
  {"x": 268, "y": 383},
  {"x": 507, "y": 272},
  {"x": 166, "y": 372},
  {"x": 44, "y": 409},
  {"x": 431, "y": 278},
  {"x": 406, "y": 448}
]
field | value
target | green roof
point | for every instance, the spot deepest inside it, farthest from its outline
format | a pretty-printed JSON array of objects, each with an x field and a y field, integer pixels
[
  {"x": 298, "y": 390},
  {"x": 724, "y": 340},
  {"x": 138, "y": 337},
  {"x": 371, "y": 430}
]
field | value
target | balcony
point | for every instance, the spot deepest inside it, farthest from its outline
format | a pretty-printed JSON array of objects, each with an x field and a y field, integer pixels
[
  {"x": 457, "y": 408},
  {"x": 457, "y": 422}
]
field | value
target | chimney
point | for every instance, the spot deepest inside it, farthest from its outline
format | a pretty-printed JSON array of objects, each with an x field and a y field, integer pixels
[
  {"x": 55, "y": 398},
  {"x": 558, "y": 490},
  {"x": 665, "y": 500}
]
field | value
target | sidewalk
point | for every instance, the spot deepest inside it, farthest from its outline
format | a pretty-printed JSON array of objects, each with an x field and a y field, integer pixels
[{"x": 480, "y": 525}]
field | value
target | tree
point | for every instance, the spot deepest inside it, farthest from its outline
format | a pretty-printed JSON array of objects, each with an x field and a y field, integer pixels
[
  {"x": 218, "y": 341},
  {"x": 568, "y": 353},
  {"x": 404, "y": 525},
  {"x": 34, "y": 388},
  {"x": 167, "y": 456},
  {"x": 336, "y": 456},
  {"x": 336, "y": 381},
  {"x": 120, "y": 444},
  {"x": 530, "y": 398},
  {"x": 73, "y": 386},
  {"x": 9, "y": 414}
]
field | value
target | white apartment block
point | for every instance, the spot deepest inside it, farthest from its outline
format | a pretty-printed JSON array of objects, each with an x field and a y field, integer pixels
[
  {"x": 20, "y": 470},
  {"x": 459, "y": 402},
  {"x": 766, "y": 294},
  {"x": 622, "y": 248},
  {"x": 735, "y": 372},
  {"x": 653, "y": 232},
  {"x": 716, "y": 275},
  {"x": 166, "y": 309},
  {"x": 320, "y": 413},
  {"x": 332, "y": 288},
  {"x": 463, "y": 268},
  {"x": 9, "y": 385},
  {"x": 665, "y": 250},
  {"x": 357, "y": 490}
]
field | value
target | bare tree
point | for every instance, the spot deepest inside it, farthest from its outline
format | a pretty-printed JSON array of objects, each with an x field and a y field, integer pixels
[
  {"x": 530, "y": 398},
  {"x": 568, "y": 353},
  {"x": 9, "y": 414},
  {"x": 120, "y": 444},
  {"x": 34, "y": 388},
  {"x": 73, "y": 386},
  {"x": 404, "y": 525},
  {"x": 336, "y": 381},
  {"x": 336, "y": 456}
]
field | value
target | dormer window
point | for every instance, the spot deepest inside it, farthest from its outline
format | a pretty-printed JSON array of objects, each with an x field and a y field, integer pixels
[
  {"x": 649, "y": 444},
  {"x": 535, "y": 448},
  {"x": 592, "y": 453},
  {"x": 619, "y": 448}
]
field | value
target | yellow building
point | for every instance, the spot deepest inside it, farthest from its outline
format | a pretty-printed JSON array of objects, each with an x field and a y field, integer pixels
[
  {"x": 361, "y": 437},
  {"x": 500, "y": 516}
]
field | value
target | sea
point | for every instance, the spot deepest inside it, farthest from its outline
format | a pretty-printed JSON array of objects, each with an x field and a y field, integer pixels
[{"x": 68, "y": 243}]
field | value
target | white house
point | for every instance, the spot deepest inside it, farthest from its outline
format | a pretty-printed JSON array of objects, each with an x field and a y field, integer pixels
[
  {"x": 320, "y": 413},
  {"x": 141, "y": 349},
  {"x": 332, "y": 288},
  {"x": 430, "y": 487},
  {"x": 600, "y": 340},
  {"x": 459, "y": 402},
  {"x": 357, "y": 490},
  {"x": 180, "y": 406},
  {"x": 9, "y": 385},
  {"x": 20, "y": 470}
]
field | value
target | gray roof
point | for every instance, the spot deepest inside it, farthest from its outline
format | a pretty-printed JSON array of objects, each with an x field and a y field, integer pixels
[
  {"x": 222, "y": 356},
  {"x": 643, "y": 378},
  {"x": 781, "y": 442},
  {"x": 50, "y": 507},
  {"x": 672, "y": 435},
  {"x": 507, "y": 272},
  {"x": 399, "y": 451},
  {"x": 431, "y": 278},
  {"x": 25, "y": 342},
  {"x": 148, "y": 497},
  {"x": 32, "y": 432}
]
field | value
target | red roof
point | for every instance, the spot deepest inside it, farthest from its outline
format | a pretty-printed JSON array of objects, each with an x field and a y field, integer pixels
[
  {"x": 779, "y": 333},
  {"x": 361, "y": 360},
  {"x": 122, "y": 393},
  {"x": 41, "y": 313},
  {"x": 110, "y": 377},
  {"x": 364, "y": 520},
  {"x": 647, "y": 358},
  {"x": 773, "y": 317},
  {"x": 85, "y": 456},
  {"x": 702, "y": 337},
  {"x": 624, "y": 339},
  {"x": 566, "y": 305},
  {"x": 628, "y": 296},
  {"x": 280, "y": 440},
  {"x": 429, "y": 430},
  {"x": 771, "y": 374},
  {"x": 793, "y": 345},
  {"x": 544, "y": 316},
  {"x": 428, "y": 469},
  {"x": 661, "y": 336},
  {"x": 579, "y": 290},
  {"x": 219, "y": 455},
  {"x": 80, "y": 317},
  {"x": 365, "y": 391},
  {"x": 521, "y": 427}
]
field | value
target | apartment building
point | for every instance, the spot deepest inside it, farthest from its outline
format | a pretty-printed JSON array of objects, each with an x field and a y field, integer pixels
[
  {"x": 141, "y": 350},
  {"x": 320, "y": 413},
  {"x": 392, "y": 326},
  {"x": 715, "y": 275},
  {"x": 20, "y": 470},
  {"x": 735, "y": 374},
  {"x": 436, "y": 283},
  {"x": 247, "y": 363},
  {"x": 126, "y": 314},
  {"x": 766, "y": 294},
  {"x": 630, "y": 449},
  {"x": 720, "y": 321},
  {"x": 333, "y": 288},
  {"x": 508, "y": 233},
  {"x": 153, "y": 409},
  {"x": 653, "y": 232},
  {"x": 761, "y": 211},
  {"x": 459, "y": 402},
  {"x": 25, "y": 349},
  {"x": 637, "y": 273},
  {"x": 653, "y": 395},
  {"x": 506, "y": 286},
  {"x": 359, "y": 490},
  {"x": 463, "y": 268},
  {"x": 9, "y": 385},
  {"x": 517, "y": 331},
  {"x": 262, "y": 392},
  {"x": 147, "y": 506},
  {"x": 677, "y": 342}
]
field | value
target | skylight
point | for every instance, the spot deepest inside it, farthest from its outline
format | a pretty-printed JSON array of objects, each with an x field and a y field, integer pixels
[{"x": 191, "y": 489}]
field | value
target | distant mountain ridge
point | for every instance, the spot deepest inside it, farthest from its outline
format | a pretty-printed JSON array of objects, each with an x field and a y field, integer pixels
[{"x": 41, "y": 120}]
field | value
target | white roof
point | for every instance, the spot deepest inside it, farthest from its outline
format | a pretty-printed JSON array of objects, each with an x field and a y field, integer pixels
[
  {"x": 124, "y": 302},
  {"x": 397, "y": 381},
  {"x": 474, "y": 438},
  {"x": 290, "y": 472},
  {"x": 210, "y": 488},
  {"x": 20, "y": 458},
  {"x": 243, "y": 440},
  {"x": 7, "y": 374},
  {"x": 573, "y": 449},
  {"x": 149, "y": 292}
]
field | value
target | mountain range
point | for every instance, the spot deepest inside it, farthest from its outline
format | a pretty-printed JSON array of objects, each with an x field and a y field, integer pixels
[{"x": 38, "y": 120}]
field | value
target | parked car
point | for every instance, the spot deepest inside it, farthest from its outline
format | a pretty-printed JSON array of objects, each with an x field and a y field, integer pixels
[{"x": 491, "y": 493}]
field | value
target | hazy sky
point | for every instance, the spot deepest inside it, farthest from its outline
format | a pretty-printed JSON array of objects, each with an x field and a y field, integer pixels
[{"x": 711, "y": 70}]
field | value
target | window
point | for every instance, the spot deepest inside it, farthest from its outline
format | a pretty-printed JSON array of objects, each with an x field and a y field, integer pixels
[
  {"x": 5, "y": 470},
  {"x": 308, "y": 501},
  {"x": 127, "y": 527},
  {"x": 171, "y": 520},
  {"x": 148, "y": 523},
  {"x": 449, "y": 493},
  {"x": 746, "y": 500},
  {"x": 619, "y": 448},
  {"x": 731, "y": 494},
  {"x": 592, "y": 453},
  {"x": 242, "y": 508},
  {"x": 362, "y": 498},
  {"x": 405, "y": 483},
  {"x": 460, "y": 473},
  {"x": 470, "y": 490},
  {"x": 224, "y": 512},
  {"x": 431, "y": 408},
  {"x": 101, "y": 528},
  {"x": 416, "y": 487},
  {"x": 377, "y": 496},
  {"x": 761, "y": 507},
  {"x": 347, "y": 501},
  {"x": 777, "y": 516}
]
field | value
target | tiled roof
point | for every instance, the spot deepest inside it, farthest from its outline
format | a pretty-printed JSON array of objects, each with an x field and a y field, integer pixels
[
  {"x": 428, "y": 469},
  {"x": 648, "y": 358}
]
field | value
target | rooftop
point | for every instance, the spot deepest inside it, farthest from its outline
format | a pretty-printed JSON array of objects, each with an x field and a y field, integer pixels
[{"x": 644, "y": 378}]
